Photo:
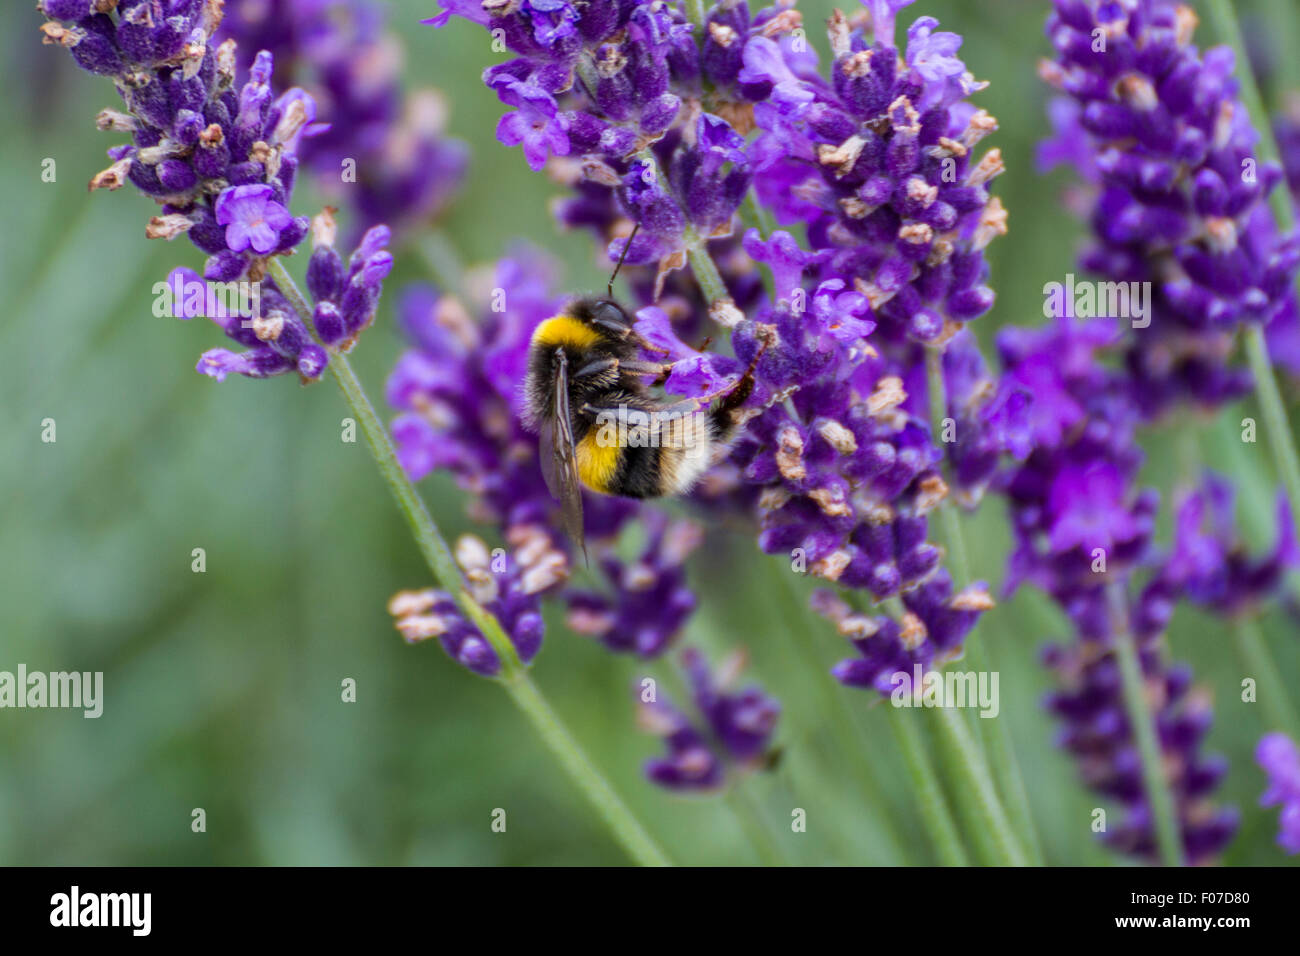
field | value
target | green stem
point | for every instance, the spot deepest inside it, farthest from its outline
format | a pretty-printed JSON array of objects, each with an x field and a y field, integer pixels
[
  {"x": 695, "y": 11},
  {"x": 704, "y": 268},
  {"x": 746, "y": 809},
  {"x": 1226, "y": 25},
  {"x": 753, "y": 214},
  {"x": 935, "y": 814},
  {"x": 640, "y": 846},
  {"x": 1002, "y": 757},
  {"x": 514, "y": 677},
  {"x": 1259, "y": 663},
  {"x": 995, "y": 734},
  {"x": 1274, "y": 411},
  {"x": 850, "y": 739},
  {"x": 1276, "y": 423},
  {"x": 973, "y": 779},
  {"x": 1283, "y": 19},
  {"x": 1142, "y": 722},
  {"x": 757, "y": 215},
  {"x": 707, "y": 274}
]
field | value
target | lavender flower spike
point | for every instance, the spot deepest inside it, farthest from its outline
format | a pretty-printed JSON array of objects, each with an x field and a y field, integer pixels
[
  {"x": 222, "y": 161},
  {"x": 1278, "y": 755},
  {"x": 507, "y": 586},
  {"x": 384, "y": 152},
  {"x": 1158, "y": 127},
  {"x": 735, "y": 733}
]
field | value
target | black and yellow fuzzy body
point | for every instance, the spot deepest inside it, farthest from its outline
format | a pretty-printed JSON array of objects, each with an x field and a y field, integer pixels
[{"x": 600, "y": 425}]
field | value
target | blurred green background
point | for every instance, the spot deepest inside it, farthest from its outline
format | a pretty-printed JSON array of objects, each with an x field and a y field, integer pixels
[{"x": 222, "y": 689}]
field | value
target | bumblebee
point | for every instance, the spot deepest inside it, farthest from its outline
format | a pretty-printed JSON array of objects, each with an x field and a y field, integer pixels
[{"x": 600, "y": 425}]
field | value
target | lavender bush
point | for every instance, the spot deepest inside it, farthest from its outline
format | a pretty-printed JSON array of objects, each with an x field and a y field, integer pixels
[{"x": 823, "y": 212}]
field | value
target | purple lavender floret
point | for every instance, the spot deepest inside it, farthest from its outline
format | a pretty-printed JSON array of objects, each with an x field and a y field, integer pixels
[
  {"x": 1284, "y": 331},
  {"x": 1074, "y": 509},
  {"x": 507, "y": 586},
  {"x": 988, "y": 416},
  {"x": 219, "y": 159},
  {"x": 878, "y": 161},
  {"x": 594, "y": 81},
  {"x": 1095, "y": 730},
  {"x": 275, "y": 339},
  {"x": 1180, "y": 195},
  {"x": 222, "y": 160},
  {"x": 344, "y": 295},
  {"x": 1209, "y": 563},
  {"x": 619, "y": 97},
  {"x": 930, "y": 633},
  {"x": 734, "y": 733},
  {"x": 687, "y": 187},
  {"x": 1287, "y": 130},
  {"x": 1279, "y": 757},
  {"x": 1084, "y": 533},
  {"x": 385, "y": 153},
  {"x": 278, "y": 26},
  {"x": 649, "y": 601}
]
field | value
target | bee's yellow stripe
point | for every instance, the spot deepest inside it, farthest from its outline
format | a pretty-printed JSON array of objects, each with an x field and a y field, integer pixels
[
  {"x": 565, "y": 330},
  {"x": 597, "y": 461}
]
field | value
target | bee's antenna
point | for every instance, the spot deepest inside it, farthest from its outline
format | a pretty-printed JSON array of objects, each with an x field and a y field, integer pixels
[{"x": 622, "y": 256}]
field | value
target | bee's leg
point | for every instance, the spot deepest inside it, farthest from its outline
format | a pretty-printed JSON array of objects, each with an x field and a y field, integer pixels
[
  {"x": 740, "y": 392},
  {"x": 644, "y": 343},
  {"x": 660, "y": 370},
  {"x": 614, "y": 327},
  {"x": 596, "y": 367}
]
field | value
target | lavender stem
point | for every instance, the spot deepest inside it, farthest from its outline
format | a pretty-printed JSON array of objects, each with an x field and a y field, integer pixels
[
  {"x": 997, "y": 739},
  {"x": 755, "y": 211},
  {"x": 930, "y": 799},
  {"x": 1141, "y": 722},
  {"x": 747, "y": 811},
  {"x": 514, "y": 678},
  {"x": 1252, "y": 649},
  {"x": 934, "y": 809},
  {"x": 838, "y": 715},
  {"x": 1276, "y": 422},
  {"x": 973, "y": 778},
  {"x": 1259, "y": 662},
  {"x": 1270, "y": 399},
  {"x": 707, "y": 274},
  {"x": 695, "y": 11},
  {"x": 753, "y": 214}
]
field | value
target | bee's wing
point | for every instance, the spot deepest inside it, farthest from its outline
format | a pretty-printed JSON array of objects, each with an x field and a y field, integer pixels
[{"x": 558, "y": 455}]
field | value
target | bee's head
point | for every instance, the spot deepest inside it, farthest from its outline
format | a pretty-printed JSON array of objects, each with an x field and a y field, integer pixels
[{"x": 604, "y": 316}]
